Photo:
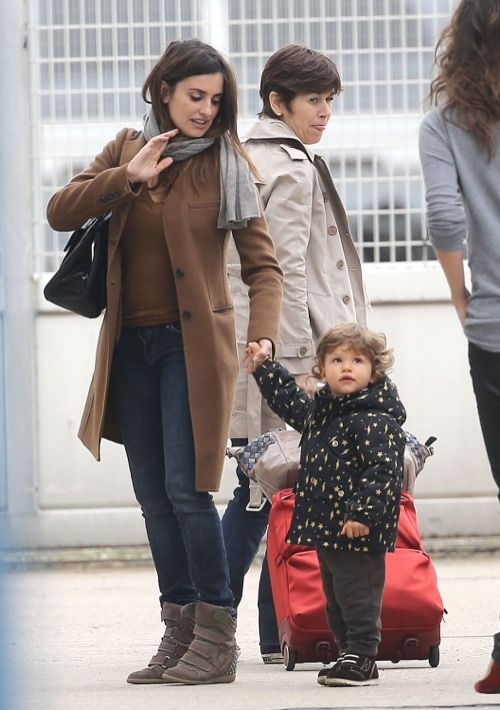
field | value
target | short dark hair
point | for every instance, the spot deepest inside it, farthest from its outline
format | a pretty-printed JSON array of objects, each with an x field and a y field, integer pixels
[
  {"x": 294, "y": 70},
  {"x": 361, "y": 340}
]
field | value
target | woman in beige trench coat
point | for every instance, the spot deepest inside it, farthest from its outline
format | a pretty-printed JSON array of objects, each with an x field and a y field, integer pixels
[
  {"x": 166, "y": 360},
  {"x": 322, "y": 283}
]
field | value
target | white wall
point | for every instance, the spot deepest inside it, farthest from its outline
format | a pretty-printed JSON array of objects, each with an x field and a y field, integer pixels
[{"x": 82, "y": 502}]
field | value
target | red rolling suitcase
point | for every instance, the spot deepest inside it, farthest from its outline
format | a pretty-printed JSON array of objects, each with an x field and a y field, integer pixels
[{"x": 412, "y": 608}]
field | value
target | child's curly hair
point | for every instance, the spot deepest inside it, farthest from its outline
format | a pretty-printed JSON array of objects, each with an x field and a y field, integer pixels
[{"x": 361, "y": 340}]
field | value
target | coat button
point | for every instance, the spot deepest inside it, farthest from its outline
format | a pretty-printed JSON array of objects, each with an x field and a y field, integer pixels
[
  {"x": 186, "y": 315},
  {"x": 347, "y": 299},
  {"x": 179, "y": 273},
  {"x": 332, "y": 230},
  {"x": 303, "y": 350},
  {"x": 340, "y": 264}
]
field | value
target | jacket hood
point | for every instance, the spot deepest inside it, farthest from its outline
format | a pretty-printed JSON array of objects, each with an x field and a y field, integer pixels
[
  {"x": 382, "y": 397},
  {"x": 272, "y": 128}
]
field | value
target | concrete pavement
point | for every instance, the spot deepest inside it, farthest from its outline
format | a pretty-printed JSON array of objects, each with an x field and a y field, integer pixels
[{"x": 85, "y": 627}]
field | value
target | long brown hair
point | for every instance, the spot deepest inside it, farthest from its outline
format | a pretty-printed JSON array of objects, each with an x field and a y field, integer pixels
[
  {"x": 190, "y": 57},
  {"x": 467, "y": 58}
]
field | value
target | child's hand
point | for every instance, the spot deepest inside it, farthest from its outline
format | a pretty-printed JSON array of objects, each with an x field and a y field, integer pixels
[
  {"x": 353, "y": 529},
  {"x": 256, "y": 353}
]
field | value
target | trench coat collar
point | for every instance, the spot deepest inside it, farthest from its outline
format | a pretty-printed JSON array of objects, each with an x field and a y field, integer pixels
[{"x": 267, "y": 128}]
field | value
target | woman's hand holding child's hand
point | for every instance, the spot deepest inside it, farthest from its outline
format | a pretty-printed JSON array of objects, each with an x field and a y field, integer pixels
[
  {"x": 353, "y": 529},
  {"x": 256, "y": 353}
]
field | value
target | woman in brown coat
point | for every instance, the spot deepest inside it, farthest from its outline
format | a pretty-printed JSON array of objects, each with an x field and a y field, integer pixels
[{"x": 166, "y": 360}]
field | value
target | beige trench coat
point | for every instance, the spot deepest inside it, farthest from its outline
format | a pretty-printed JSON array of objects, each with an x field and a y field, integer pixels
[
  {"x": 198, "y": 255},
  {"x": 323, "y": 282}
]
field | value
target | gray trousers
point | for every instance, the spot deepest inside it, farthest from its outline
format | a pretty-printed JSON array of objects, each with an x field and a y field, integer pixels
[{"x": 353, "y": 609}]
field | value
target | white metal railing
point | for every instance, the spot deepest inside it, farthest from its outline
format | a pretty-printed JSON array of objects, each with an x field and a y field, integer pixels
[{"x": 88, "y": 59}]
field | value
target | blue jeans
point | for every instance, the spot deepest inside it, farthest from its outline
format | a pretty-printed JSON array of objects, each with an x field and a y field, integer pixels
[
  {"x": 149, "y": 394},
  {"x": 243, "y": 531}
]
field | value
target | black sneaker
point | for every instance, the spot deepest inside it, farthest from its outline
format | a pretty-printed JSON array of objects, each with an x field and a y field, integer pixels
[
  {"x": 353, "y": 670},
  {"x": 325, "y": 671}
]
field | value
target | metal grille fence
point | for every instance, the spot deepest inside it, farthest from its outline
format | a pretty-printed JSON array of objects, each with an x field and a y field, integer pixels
[{"x": 88, "y": 60}]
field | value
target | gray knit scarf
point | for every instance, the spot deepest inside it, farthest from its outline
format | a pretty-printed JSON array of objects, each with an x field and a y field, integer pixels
[{"x": 239, "y": 201}]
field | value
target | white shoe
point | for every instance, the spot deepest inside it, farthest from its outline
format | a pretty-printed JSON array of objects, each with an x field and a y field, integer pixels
[{"x": 272, "y": 658}]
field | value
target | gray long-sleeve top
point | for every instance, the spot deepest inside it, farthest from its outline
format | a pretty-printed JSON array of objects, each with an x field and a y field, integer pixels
[{"x": 463, "y": 206}]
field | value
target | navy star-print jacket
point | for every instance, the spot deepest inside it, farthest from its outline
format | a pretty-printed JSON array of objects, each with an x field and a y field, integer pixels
[{"x": 351, "y": 460}]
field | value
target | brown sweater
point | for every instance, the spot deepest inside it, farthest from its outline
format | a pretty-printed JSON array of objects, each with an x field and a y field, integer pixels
[{"x": 148, "y": 296}]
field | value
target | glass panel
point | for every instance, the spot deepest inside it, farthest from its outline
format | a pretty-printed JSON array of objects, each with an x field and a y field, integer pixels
[
  {"x": 57, "y": 12},
  {"x": 138, "y": 11},
  {"x": 122, "y": 42},
  {"x": 155, "y": 8},
  {"x": 234, "y": 10},
  {"x": 266, "y": 8},
  {"x": 250, "y": 9},
  {"x": 90, "y": 13}
]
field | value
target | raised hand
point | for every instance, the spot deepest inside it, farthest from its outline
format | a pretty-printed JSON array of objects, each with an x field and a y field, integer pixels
[{"x": 147, "y": 165}]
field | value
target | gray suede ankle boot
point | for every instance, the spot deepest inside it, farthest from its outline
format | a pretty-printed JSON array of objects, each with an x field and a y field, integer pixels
[
  {"x": 179, "y": 626},
  {"x": 212, "y": 655}
]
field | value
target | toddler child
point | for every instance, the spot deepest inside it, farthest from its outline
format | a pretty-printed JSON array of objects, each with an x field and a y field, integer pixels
[{"x": 349, "y": 481}]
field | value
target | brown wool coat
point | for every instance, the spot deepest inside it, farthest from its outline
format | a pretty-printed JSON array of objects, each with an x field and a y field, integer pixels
[{"x": 198, "y": 255}]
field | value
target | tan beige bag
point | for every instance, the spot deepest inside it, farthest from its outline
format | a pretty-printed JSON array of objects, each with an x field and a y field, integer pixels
[{"x": 271, "y": 462}]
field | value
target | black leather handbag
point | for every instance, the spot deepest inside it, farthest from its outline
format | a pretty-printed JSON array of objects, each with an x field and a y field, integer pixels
[{"x": 79, "y": 284}]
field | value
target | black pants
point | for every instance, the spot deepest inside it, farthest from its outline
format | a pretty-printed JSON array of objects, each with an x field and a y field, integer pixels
[
  {"x": 485, "y": 373},
  {"x": 353, "y": 583}
]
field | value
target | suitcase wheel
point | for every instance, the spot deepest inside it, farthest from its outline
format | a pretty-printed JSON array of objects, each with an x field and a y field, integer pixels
[
  {"x": 434, "y": 656},
  {"x": 289, "y": 658}
]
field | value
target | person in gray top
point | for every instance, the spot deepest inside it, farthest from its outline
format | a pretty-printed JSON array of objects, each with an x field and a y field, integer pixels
[{"x": 460, "y": 157}]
